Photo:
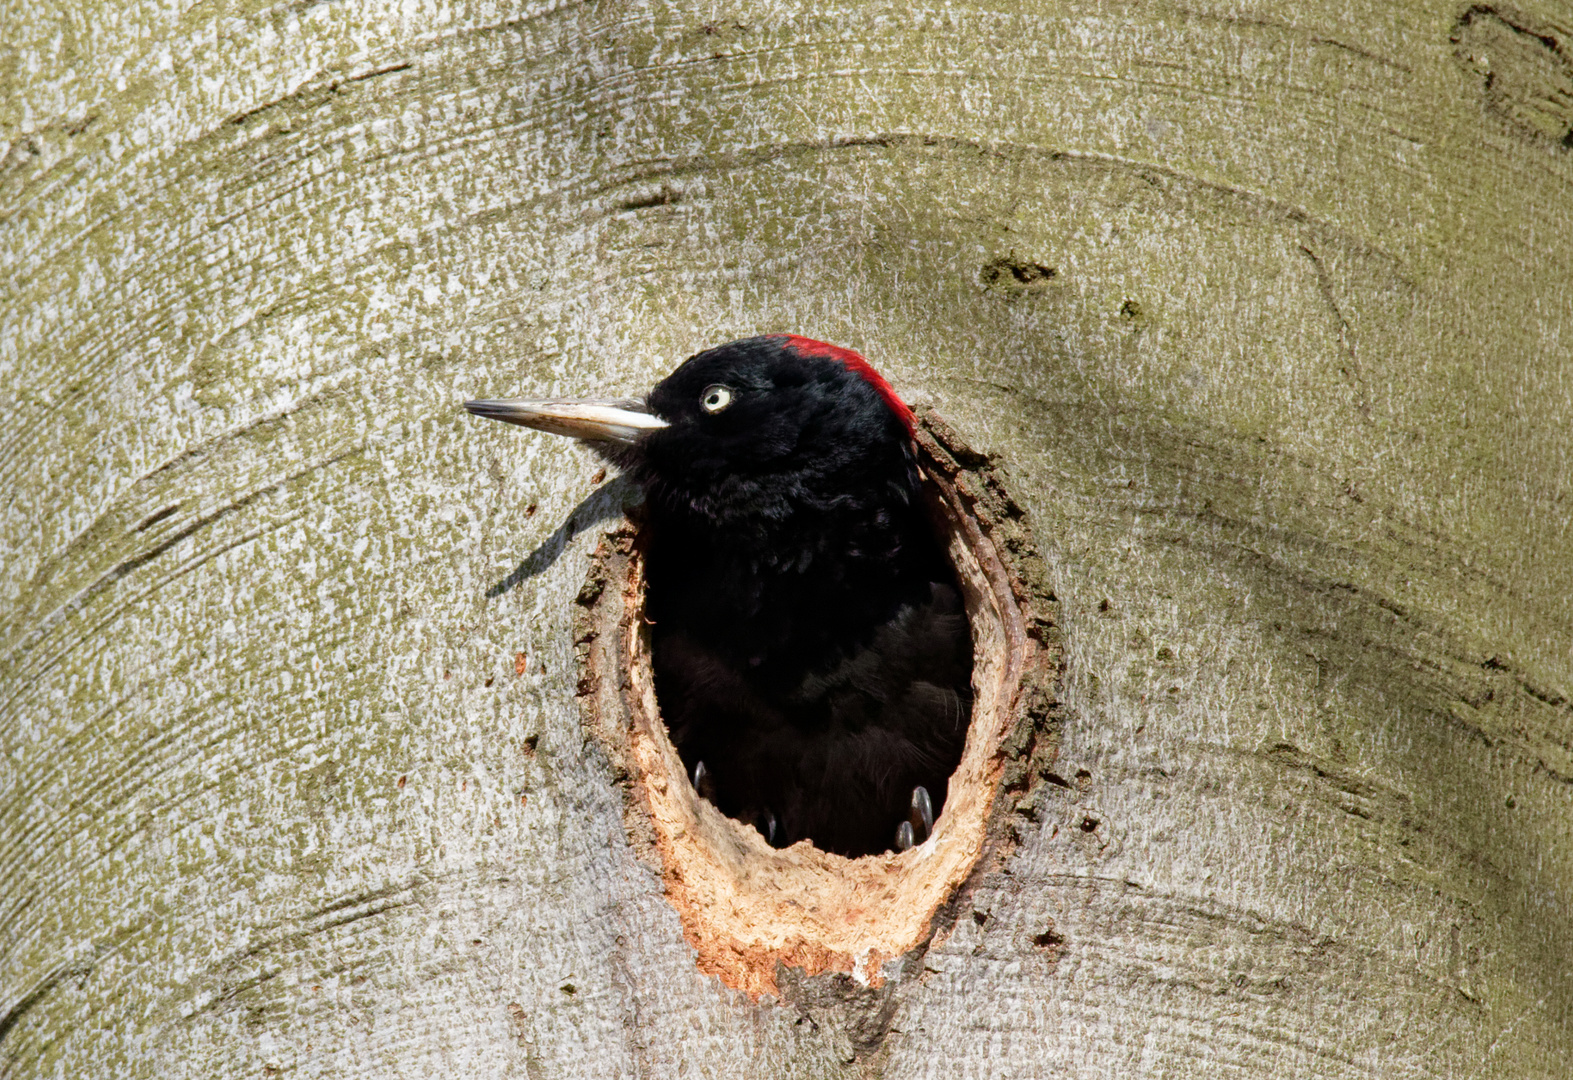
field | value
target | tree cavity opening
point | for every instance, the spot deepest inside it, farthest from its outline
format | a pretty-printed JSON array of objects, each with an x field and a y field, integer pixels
[{"x": 747, "y": 907}]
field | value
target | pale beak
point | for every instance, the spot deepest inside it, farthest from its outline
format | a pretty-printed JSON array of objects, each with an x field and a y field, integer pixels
[{"x": 605, "y": 421}]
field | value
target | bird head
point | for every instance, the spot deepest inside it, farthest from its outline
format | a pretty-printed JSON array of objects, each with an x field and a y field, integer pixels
[{"x": 752, "y": 430}]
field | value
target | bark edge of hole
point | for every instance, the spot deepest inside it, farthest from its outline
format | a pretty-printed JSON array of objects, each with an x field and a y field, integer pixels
[{"x": 746, "y": 907}]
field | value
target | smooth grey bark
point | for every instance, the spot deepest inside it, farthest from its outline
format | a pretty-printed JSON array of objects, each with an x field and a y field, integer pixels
[{"x": 1265, "y": 306}]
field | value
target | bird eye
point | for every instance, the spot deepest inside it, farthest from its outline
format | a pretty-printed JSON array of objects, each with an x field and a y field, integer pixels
[{"x": 715, "y": 398}]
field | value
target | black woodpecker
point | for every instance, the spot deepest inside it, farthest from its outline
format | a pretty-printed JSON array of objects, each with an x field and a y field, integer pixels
[{"x": 812, "y": 656}]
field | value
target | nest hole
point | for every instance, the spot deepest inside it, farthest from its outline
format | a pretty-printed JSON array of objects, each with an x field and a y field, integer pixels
[{"x": 747, "y": 907}]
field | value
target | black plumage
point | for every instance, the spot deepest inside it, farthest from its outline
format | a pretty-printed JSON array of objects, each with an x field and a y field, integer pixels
[{"x": 812, "y": 656}]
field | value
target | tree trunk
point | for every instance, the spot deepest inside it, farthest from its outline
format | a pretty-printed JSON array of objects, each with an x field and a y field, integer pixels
[{"x": 1266, "y": 313}]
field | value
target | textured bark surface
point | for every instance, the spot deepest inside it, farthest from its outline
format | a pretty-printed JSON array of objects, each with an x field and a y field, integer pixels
[{"x": 1267, "y": 307}]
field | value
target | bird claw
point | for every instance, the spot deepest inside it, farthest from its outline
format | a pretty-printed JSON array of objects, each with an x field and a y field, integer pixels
[
  {"x": 919, "y": 823},
  {"x": 922, "y": 813},
  {"x": 704, "y": 783},
  {"x": 764, "y": 821}
]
